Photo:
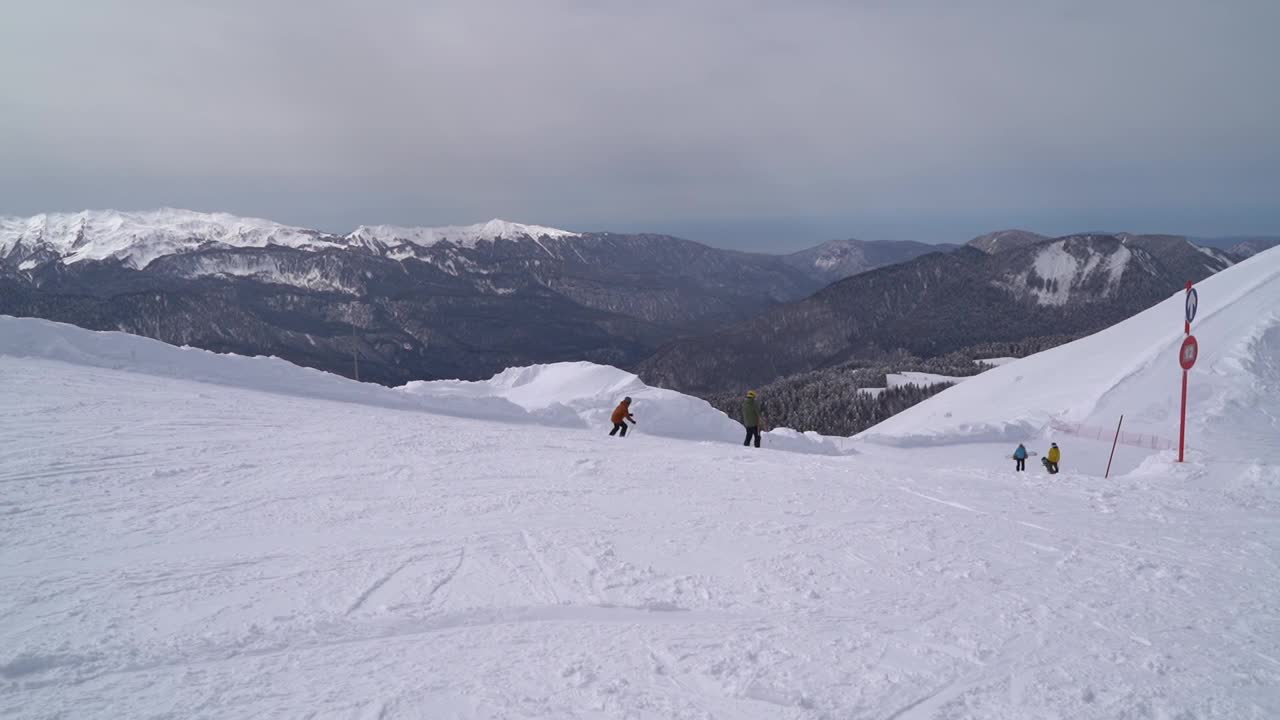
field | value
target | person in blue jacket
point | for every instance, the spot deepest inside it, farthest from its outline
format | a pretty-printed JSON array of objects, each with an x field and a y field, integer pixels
[{"x": 1020, "y": 458}]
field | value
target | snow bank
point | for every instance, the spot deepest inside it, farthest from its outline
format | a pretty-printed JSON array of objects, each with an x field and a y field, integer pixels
[
  {"x": 576, "y": 394},
  {"x": 1130, "y": 368},
  {"x": 590, "y": 392},
  {"x": 32, "y": 338}
]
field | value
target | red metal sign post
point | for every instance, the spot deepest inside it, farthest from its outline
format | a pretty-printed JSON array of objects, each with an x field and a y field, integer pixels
[{"x": 1187, "y": 355}]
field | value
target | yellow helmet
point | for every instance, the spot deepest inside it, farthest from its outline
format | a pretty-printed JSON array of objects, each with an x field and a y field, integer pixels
[{"x": 751, "y": 393}]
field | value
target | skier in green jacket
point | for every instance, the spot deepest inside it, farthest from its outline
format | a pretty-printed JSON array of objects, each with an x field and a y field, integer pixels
[{"x": 751, "y": 418}]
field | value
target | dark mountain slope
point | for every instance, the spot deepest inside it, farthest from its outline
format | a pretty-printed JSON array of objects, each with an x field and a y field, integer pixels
[{"x": 933, "y": 305}]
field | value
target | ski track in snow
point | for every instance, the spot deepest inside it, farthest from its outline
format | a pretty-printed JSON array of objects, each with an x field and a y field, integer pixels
[
  {"x": 940, "y": 501},
  {"x": 212, "y": 552}
]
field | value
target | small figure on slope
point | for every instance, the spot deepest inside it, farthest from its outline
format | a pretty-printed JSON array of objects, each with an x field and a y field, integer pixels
[
  {"x": 1051, "y": 460},
  {"x": 621, "y": 415},
  {"x": 1020, "y": 458},
  {"x": 751, "y": 418}
]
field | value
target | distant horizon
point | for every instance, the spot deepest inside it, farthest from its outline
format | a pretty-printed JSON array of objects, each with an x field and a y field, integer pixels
[{"x": 774, "y": 125}]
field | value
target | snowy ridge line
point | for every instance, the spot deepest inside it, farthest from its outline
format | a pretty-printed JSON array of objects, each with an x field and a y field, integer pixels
[
  {"x": 463, "y": 235},
  {"x": 567, "y": 395},
  {"x": 139, "y": 238},
  {"x": 48, "y": 340}
]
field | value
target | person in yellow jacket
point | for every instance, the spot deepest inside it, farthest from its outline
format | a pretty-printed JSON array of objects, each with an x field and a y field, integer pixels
[{"x": 1051, "y": 460}]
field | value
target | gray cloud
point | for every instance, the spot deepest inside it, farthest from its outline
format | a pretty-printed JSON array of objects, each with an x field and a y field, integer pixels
[{"x": 766, "y": 122}]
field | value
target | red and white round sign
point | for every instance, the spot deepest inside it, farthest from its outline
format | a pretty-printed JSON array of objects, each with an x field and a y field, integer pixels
[{"x": 1188, "y": 353}]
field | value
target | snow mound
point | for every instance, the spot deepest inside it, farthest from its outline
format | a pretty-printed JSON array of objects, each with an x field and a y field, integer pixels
[
  {"x": 1132, "y": 369},
  {"x": 576, "y": 394},
  {"x": 590, "y": 392}
]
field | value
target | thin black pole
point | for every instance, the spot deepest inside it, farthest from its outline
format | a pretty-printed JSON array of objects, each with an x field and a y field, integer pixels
[{"x": 1113, "y": 447}]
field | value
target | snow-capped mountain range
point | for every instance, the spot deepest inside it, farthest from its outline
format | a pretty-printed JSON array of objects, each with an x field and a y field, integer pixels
[
  {"x": 469, "y": 236},
  {"x": 428, "y": 302},
  {"x": 469, "y": 301},
  {"x": 138, "y": 238}
]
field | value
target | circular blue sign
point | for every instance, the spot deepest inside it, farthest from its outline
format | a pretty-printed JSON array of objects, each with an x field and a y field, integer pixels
[{"x": 1193, "y": 301}]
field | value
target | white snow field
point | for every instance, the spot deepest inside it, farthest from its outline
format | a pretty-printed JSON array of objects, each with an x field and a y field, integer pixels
[{"x": 186, "y": 535}]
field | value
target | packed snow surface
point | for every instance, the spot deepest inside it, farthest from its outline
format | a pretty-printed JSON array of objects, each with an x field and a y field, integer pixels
[{"x": 192, "y": 535}]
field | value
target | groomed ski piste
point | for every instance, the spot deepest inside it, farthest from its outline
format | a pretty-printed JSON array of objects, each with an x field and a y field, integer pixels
[{"x": 191, "y": 535}]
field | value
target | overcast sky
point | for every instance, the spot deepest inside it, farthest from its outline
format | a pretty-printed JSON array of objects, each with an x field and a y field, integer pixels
[{"x": 748, "y": 124}]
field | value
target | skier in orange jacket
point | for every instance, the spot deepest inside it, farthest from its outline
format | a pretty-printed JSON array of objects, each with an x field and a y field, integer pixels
[{"x": 621, "y": 415}]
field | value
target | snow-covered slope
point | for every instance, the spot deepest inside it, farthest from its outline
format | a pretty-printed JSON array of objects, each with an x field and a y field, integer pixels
[
  {"x": 189, "y": 535},
  {"x": 1063, "y": 268},
  {"x": 577, "y": 394},
  {"x": 46, "y": 340},
  {"x": 1130, "y": 368}
]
